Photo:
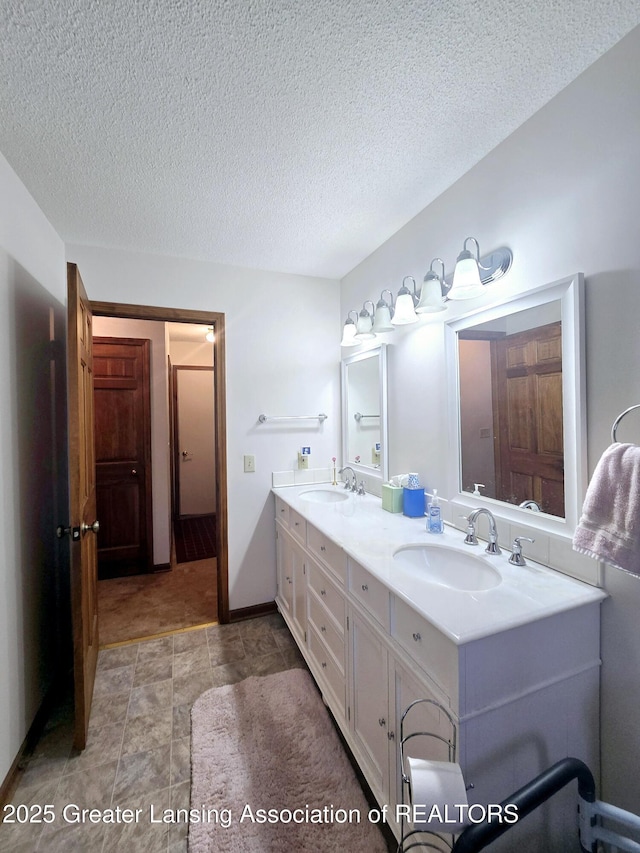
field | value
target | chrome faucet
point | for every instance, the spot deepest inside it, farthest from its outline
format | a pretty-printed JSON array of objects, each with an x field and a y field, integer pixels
[
  {"x": 534, "y": 506},
  {"x": 516, "y": 558},
  {"x": 471, "y": 538},
  {"x": 353, "y": 485}
]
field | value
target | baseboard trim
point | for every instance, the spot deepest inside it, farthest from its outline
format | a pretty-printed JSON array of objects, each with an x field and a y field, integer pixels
[
  {"x": 161, "y": 567},
  {"x": 251, "y": 612},
  {"x": 43, "y": 713}
]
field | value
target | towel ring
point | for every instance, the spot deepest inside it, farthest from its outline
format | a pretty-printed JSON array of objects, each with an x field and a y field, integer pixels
[{"x": 614, "y": 428}]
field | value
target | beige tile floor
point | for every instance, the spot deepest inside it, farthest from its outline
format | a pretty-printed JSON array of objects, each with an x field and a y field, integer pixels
[{"x": 138, "y": 752}]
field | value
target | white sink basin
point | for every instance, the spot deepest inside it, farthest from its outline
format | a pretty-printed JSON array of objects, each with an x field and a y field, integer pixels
[
  {"x": 449, "y": 567},
  {"x": 324, "y": 496}
]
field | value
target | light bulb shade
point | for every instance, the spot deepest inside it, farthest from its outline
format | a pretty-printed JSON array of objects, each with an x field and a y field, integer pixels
[
  {"x": 467, "y": 283},
  {"x": 209, "y": 336},
  {"x": 431, "y": 299},
  {"x": 405, "y": 312},
  {"x": 364, "y": 326},
  {"x": 349, "y": 335},
  {"x": 382, "y": 320}
]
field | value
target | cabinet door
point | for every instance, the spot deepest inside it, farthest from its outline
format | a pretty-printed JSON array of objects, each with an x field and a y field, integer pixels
[
  {"x": 425, "y": 717},
  {"x": 370, "y": 705},
  {"x": 284, "y": 564},
  {"x": 299, "y": 603}
]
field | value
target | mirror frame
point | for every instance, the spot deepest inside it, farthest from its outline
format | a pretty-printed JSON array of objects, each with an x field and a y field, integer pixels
[
  {"x": 379, "y": 352},
  {"x": 570, "y": 293}
]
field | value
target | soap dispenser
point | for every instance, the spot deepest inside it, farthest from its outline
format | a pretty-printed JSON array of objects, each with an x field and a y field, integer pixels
[
  {"x": 434, "y": 520},
  {"x": 476, "y": 489}
]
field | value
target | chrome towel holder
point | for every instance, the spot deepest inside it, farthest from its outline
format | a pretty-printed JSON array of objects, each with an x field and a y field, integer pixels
[
  {"x": 263, "y": 418},
  {"x": 614, "y": 428}
]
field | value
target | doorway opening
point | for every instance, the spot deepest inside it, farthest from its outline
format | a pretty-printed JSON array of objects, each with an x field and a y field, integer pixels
[{"x": 184, "y": 581}]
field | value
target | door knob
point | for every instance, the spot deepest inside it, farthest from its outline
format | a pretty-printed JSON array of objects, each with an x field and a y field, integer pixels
[
  {"x": 134, "y": 473},
  {"x": 94, "y": 528}
]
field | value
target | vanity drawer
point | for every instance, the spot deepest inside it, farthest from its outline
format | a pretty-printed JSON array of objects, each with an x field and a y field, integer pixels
[
  {"x": 282, "y": 511},
  {"x": 298, "y": 526},
  {"x": 330, "y": 674},
  {"x": 326, "y": 628},
  {"x": 370, "y": 592},
  {"x": 331, "y": 597},
  {"x": 428, "y": 647},
  {"x": 330, "y": 554}
]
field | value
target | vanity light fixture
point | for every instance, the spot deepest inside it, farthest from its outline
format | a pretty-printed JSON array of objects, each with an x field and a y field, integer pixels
[
  {"x": 473, "y": 273},
  {"x": 209, "y": 336},
  {"x": 384, "y": 313},
  {"x": 405, "y": 312},
  {"x": 431, "y": 297},
  {"x": 364, "y": 324},
  {"x": 349, "y": 332}
]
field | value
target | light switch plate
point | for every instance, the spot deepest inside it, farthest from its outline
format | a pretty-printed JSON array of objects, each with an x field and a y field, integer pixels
[{"x": 249, "y": 463}]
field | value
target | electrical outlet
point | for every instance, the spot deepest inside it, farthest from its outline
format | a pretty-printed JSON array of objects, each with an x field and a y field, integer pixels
[{"x": 249, "y": 463}]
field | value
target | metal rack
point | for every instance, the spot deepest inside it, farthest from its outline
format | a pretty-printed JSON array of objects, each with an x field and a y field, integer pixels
[
  {"x": 409, "y": 837},
  {"x": 263, "y": 418},
  {"x": 614, "y": 428}
]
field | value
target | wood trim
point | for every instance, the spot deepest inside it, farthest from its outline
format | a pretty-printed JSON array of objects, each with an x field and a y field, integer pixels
[
  {"x": 250, "y": 612},
  {"x": 217, "y": 320}
]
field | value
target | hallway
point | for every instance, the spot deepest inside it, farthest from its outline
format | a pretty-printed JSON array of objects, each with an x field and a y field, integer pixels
[{"x": 142, "y": 606}]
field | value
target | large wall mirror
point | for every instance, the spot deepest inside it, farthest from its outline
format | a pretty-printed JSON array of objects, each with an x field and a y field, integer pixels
[
  {"x": 364, "y": 412},
  {"x": 518, "y": 408}
]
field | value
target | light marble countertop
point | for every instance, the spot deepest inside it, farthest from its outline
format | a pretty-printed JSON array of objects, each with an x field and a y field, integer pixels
[{"x": 371, "y": 536}]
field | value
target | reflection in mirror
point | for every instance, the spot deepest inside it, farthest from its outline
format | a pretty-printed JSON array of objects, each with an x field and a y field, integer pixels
[
  {"x": 518, "y": 414},
  {"x": 511, "y": 433},
  {"x": 364, "y": 411}
]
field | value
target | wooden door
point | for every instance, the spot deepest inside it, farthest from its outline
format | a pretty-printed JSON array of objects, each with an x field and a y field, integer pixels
[
  {"x": 122, "y": 402},
  {"x": 527, "y": 397},
  {"x": 82, "y": 515}
]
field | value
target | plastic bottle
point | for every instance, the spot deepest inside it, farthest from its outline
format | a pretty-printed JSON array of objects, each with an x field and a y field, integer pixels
[{"x": 434, "y": 520}]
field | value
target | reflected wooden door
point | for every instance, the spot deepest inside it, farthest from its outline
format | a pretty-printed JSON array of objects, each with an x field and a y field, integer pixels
[
  {"x": 82, "y": 483},
  {"x": 527, "y": 394}
]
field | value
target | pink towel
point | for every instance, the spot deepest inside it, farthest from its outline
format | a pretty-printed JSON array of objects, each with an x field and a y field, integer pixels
[{"x": 609, "y": 527}]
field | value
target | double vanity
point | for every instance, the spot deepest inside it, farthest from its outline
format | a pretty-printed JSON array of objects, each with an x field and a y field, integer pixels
[{"x": 385, "y": 613}]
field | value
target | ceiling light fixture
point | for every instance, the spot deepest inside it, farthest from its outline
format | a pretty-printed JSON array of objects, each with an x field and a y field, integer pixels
[
  {"x": 384, "y": 313},
  {"x": 473, "y": 273},
  {"x": 431, "y": 296},
  {"x": 364, "y": 324},
  {"x": 405, "y": 312},
  {"x": 349, "y": 332},
  {"x": 210, "y": 336}
]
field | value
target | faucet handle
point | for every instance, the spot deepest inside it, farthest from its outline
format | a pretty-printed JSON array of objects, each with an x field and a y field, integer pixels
[
  {"x": 470, "y": 538},
  {"x": 516, "y": 558}
]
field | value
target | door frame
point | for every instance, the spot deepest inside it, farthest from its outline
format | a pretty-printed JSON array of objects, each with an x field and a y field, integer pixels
[{"x": 217, "y": 320}]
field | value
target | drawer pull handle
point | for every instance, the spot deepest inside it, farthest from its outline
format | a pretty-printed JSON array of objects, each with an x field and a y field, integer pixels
[
  {"x": 323, "y": 628},
  {"x": 323, "y": 592},
  {"x": 365, "y": 587},
  {"x": 296, "y": 523},
  {"x": 391, "y": 735},
  {"x": 289, "y": 579},
  {"x": 382, "y": 721},
  {"x": 322, "y": 548},
  {"x": 324, "y": 664},
  {"x": 417, "y": 637}
]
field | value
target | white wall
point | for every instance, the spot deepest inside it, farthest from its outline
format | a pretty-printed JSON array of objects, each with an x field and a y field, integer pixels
[
  {"x": 564, "y": 193},
  {"x": 282, "y": 349},
  {"x": 154, "y": 331},
  {"x": 34, "y": 593}
]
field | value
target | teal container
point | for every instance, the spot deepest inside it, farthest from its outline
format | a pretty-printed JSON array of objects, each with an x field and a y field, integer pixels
[{"x": 413, "y": 503}]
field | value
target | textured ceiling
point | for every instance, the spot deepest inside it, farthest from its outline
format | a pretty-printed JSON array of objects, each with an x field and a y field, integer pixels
[{"x": 291, "y": 135}]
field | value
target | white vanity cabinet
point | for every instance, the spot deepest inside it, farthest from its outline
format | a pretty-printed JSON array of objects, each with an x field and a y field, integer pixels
[{"x": 520, "y": 698}]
